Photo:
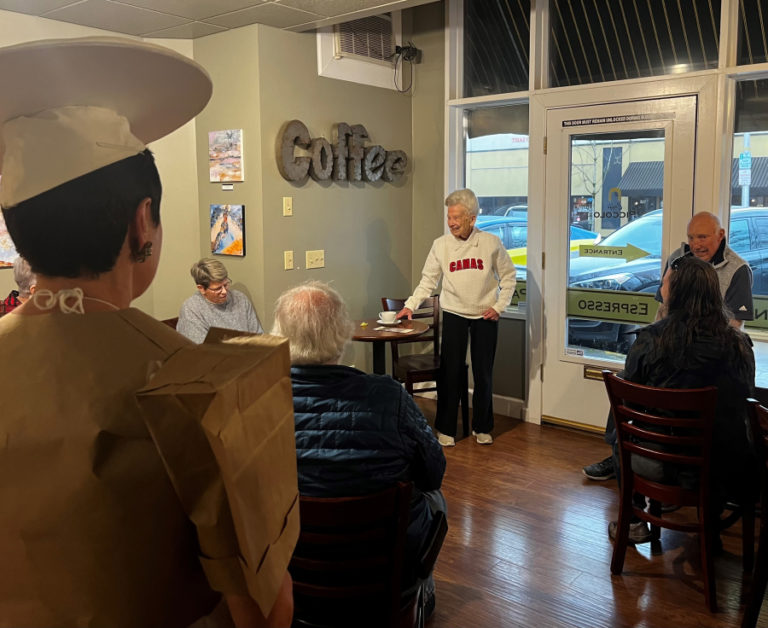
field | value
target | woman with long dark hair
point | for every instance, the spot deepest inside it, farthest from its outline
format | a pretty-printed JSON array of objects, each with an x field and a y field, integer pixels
[{"x": 693, "y": 347}]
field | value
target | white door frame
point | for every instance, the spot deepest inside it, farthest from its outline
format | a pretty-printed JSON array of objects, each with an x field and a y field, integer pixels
[{"x": 713, "y": 139}]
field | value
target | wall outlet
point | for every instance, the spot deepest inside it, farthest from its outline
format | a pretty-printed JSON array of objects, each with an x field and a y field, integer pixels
[
  {"x": 287, "y": 206},
  {"x": 288, "y": 260},
  {"x": 315, "y": 259}
]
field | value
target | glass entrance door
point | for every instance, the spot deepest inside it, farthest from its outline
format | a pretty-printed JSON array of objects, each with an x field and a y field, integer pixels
[{"x": 621, "y": 200}]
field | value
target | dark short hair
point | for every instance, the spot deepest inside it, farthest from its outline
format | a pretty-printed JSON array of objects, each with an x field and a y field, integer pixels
[{"x": 78, "y": 228}]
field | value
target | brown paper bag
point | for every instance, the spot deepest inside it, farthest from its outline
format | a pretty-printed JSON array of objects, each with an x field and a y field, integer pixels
[{"x": 241, "y": 396}]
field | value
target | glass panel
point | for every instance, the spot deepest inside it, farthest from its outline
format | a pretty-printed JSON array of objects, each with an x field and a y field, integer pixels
[
  {"x": 496, "y": 46},
  {"x": 610, "y": 40},
  {"x": 615, "y": 256},
  {"x": 496, "y": 168},
  {"x": 749, "y": 202},
  {"x": 753, "y": 20}
]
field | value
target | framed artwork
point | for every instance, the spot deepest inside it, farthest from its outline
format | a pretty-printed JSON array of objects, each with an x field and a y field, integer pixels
[
  {"x": 8, "y": 252},
  {"x": 228, "y": 230},
  {"x": 225, "y": 155}
]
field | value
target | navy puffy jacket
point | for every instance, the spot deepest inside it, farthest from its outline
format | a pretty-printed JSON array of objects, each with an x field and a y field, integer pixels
[{"x": 358, "y": 433}]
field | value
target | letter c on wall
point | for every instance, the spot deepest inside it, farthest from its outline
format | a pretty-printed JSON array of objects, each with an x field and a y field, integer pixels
[{"x": 293, "y": 133}]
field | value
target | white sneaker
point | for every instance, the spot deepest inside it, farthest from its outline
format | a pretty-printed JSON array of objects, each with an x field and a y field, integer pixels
[
  {"x": 445, "y": 440},
  {"x": 482, "y": 439}
]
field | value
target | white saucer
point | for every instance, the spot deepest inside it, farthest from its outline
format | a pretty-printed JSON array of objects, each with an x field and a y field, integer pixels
[{"x": 381, "y": 322}]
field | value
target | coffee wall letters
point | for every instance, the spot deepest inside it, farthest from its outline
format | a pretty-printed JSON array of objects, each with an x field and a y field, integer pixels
[{"x": 347, "y": 159}]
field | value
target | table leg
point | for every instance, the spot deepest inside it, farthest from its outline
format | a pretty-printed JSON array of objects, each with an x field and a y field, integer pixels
[{"x": 379, "y": 358}]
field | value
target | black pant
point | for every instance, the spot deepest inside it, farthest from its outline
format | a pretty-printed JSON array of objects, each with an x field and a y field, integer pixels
[{"x": 482, "y": 335}]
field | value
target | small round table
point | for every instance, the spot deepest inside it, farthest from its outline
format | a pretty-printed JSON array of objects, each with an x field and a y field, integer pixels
[{"x": 379, "y": 335}]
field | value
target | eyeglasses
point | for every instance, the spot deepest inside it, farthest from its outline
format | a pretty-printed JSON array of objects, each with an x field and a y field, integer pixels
[
  {"x": 676, "y": 263},
  {"x": 222, "y": 288}
]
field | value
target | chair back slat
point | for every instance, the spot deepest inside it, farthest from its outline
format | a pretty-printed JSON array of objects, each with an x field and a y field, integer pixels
[{"x": 349, "y": 559}]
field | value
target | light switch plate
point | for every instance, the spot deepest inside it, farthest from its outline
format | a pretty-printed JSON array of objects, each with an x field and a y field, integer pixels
[{"x": 315, "y": 259}]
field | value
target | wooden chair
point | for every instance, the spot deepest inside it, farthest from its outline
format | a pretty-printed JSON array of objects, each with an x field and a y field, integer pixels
[
  {"x": 347, "y": 567},
  {"x": 171, "y": 322},
  {"x": 424, "y": 367},
  {"x": 758, "y": 420},
  {"x": 677, "y": 431}
]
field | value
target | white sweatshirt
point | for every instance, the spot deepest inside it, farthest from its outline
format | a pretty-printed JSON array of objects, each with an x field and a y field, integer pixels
[{"x": 477, "y": 274}]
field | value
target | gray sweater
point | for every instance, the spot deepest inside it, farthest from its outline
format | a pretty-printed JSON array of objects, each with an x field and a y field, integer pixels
[{"x": 198, "y": 315}]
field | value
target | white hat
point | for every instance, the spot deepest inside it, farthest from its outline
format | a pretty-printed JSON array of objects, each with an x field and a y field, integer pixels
[{"x": 71, "y": 106}]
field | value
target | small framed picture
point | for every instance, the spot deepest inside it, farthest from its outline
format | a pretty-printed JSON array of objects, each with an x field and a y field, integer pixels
[
  {"x": 8, "y": 252},
  {"x": 225, "y": 155},
  {"x": 228, "y": 230}
]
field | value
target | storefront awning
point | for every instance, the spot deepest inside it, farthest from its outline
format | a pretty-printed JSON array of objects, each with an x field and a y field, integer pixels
[
  {"x": 643, "y": 178},
  {"x": 646, "y": 178}
]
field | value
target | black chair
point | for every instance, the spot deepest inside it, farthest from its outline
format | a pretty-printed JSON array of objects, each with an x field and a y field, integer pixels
[
  {"x": 671, "y": 426},
  {"x": 424, "y": 367},
  {"x": 758, "y": 419},
  {"x": 347, "y": 567}
]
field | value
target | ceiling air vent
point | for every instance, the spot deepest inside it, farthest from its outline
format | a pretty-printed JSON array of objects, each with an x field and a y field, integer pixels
[{"x": 370, "y": 39}]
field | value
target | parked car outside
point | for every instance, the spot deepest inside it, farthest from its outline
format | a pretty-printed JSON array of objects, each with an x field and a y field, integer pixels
[
  {"x": 748, "y": 236},
  {"x": 513, "y": 232}
]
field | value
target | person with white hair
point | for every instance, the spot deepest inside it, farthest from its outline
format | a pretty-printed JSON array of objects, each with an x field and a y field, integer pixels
[
  {"x": 356, "y": 433},
  {"x": 215, "y": 304},
  {"x": 478, "y": 281},
  {"x": 92, "y": 528},
  {"x": 25, "y": 281}
]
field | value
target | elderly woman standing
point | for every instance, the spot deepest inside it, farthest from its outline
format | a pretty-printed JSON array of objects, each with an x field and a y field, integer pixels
[
  {"x": 478, "y": 283},
  {"x": 216, "y": 304},
  {"x": 91, "y": 529}
]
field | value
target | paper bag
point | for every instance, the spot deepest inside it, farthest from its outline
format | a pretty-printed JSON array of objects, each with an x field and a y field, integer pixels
[{"x": 240, "y": 394}]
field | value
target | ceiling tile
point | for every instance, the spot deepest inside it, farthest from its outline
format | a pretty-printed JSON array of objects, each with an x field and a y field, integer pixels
[
  {"x": 271, "y": 14},
  {"x": 330, "y": 8},
  {"x": 194, "y": 9},
  {"x": 115, "y": 17},
  {"x": 191, "y": 30},
  {"x": 34, "y": 7}
]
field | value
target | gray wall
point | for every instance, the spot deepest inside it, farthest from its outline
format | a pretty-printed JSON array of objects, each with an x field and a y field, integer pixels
[
  {"x": 427, "y": 25},
  {"x": 265, "y": 77}
]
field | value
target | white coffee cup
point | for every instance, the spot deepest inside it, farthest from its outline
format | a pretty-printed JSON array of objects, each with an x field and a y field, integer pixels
[{"x": 387, "y": 317}]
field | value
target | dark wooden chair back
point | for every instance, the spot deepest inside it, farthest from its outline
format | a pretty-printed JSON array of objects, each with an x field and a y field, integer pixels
[
  {"x": 430, "y": 309},
  {"x": 347, "y": 568},
  {"x": 672, "y": 427},
  {"x": 758, "y": 423},
  {"x": 171, "y": 322}
]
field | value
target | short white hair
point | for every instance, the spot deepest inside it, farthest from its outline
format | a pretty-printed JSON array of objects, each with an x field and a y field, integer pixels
[
  {"x": 314, "y": 318},
  {"x": 466, "y": 198},
  {"x": 23, "y": 276}
]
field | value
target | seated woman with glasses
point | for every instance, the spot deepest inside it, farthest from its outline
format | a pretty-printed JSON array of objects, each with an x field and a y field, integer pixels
[{"x": 215, "y": 304}]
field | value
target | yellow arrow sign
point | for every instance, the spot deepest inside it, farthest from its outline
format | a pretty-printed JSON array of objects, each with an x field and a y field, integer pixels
[{"x": 628, "y": 252}]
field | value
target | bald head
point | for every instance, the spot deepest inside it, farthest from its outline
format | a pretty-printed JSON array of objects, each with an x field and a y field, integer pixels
[{"x": 705, "y": 235}]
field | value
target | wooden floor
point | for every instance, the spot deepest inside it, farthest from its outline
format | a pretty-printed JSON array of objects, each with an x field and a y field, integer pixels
[{"x": 528, "y": 544}]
